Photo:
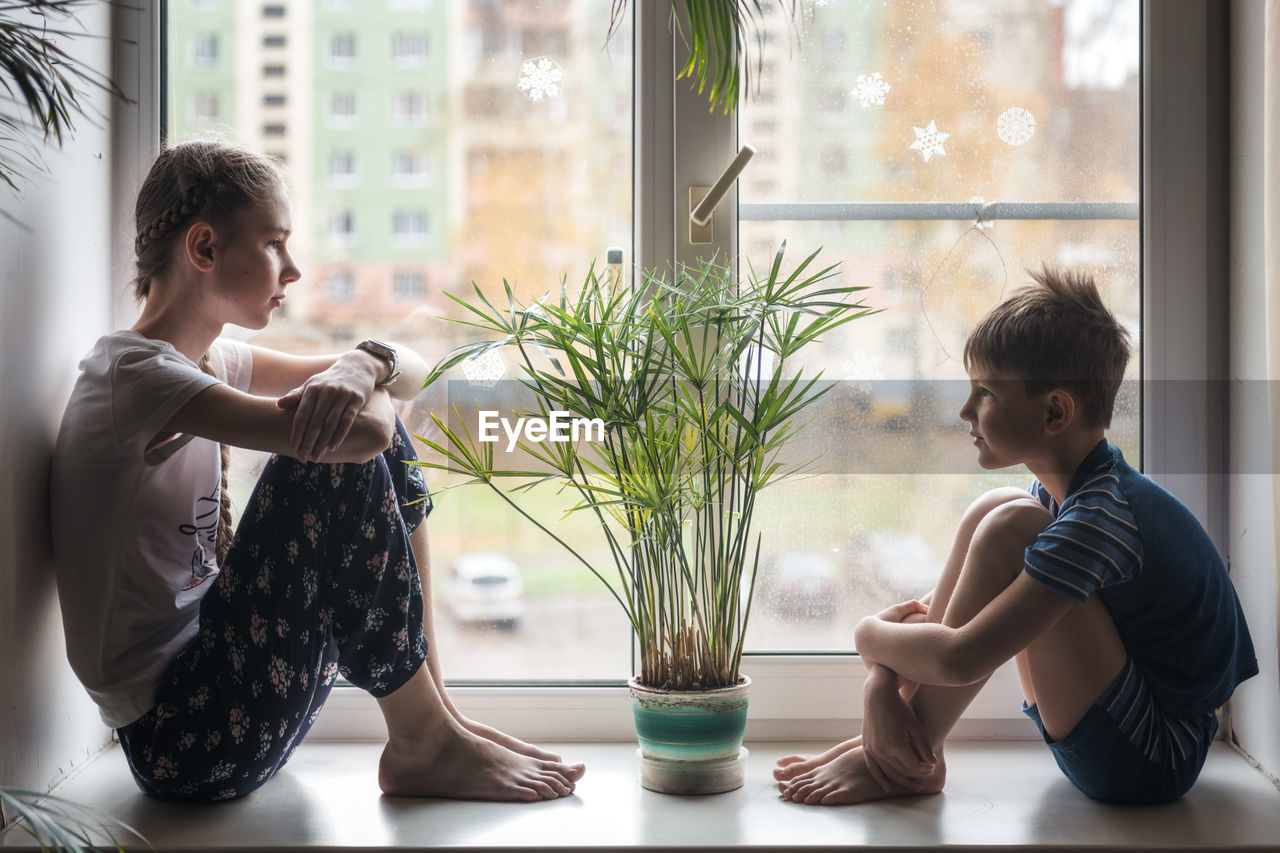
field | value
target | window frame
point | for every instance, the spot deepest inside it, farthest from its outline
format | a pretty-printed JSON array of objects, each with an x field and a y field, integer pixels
[{"x": 818, "y": 695}]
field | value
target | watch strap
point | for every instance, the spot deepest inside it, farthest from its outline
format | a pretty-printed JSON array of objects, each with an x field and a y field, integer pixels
[{"x": 387, "y": 353}]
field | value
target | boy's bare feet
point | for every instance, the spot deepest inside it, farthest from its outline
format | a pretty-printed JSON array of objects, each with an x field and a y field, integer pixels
[
  {"x": 791, "y": 766},
  {"x": 462, "y": 765},
  {"x": 845, "y": 779}
]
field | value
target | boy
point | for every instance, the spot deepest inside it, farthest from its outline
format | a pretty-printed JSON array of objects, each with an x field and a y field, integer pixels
[{"x": 1126, "y": 630}]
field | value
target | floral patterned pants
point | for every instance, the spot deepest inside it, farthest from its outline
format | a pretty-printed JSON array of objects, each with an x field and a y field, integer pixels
[{"x": 319, "y": 580}]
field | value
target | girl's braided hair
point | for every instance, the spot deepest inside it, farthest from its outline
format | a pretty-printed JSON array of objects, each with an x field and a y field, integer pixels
[
  {"x": 201, "y": 180},
  {"x": 204, "y": 180}
]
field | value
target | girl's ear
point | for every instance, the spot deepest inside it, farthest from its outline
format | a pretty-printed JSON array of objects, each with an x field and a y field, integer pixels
[
  {"x": 1060, "y": 410},
  {"x": 199, "y": 245}
]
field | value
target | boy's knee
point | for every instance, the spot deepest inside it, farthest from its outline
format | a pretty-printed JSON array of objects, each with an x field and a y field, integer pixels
[
  {"x": 1016, "y": 522},
  {"x": 989, "y": 501}
]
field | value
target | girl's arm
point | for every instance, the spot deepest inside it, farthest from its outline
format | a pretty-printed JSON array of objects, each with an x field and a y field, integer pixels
[
  {"x": 325, "y": 394},
  {"x": 223, "y": 414},
  {"x": 275, "y": 373},
  {"x": 932, "y": 653}
]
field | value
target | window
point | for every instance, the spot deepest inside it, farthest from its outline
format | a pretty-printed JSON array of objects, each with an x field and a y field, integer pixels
[
  {"x": 273, "y": 71},
  {"x": 409, "y": 50},
  {"x": 342, "y": 228},
  {"x": 342, "y": 167},
  {"x": 274, "y": 129},
  {"x": 204, "y": 109},
  {"x": 900, "y": 150},
  {"x": 409, "y": 108},
  {"x": 340, "y": 286},
  {"x": 410, "y": 286},
  {"x": 273, "y": 100},
  {"x": 409, "y": 167},
  {"x": 204, "y": 50},
  {"x": 409, "y": 226},
  {"x": 273, "y": 10},
  {"x": 830, "y": 172},
  {"x": 342, "y": 50},
  {"x": 342, "y": 108},
  {"x": 274, "y": 41}
]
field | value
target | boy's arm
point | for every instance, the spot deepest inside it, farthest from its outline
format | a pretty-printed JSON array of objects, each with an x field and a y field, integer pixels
[{"x": 931, "y": 653}]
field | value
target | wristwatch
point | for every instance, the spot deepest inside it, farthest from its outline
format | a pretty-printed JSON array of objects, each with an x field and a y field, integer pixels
[{"x": 387, "y": 353}]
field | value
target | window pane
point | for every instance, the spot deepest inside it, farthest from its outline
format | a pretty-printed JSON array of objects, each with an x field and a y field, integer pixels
[
  {"x": 927, "y": 103},
  {"x": 430, "y": 145}
]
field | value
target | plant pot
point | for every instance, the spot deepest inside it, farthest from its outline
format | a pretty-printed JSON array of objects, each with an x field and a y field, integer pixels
[{"x": 691, "y": 741}]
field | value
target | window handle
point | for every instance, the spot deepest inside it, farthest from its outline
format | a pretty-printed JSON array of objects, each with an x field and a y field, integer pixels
[{"x": 702, "y": 201}]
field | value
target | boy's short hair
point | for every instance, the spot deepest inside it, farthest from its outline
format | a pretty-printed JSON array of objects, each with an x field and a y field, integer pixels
[{"x": 1056, "y": 333}]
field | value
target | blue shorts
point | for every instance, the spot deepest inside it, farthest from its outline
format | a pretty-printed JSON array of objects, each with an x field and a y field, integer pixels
[{"x": 1101, "y": 759}]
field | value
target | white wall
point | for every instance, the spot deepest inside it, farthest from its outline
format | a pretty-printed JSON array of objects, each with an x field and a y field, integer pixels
[
  {"x": 1252, "y": 512},
  {"x": 55, "y": 275}
]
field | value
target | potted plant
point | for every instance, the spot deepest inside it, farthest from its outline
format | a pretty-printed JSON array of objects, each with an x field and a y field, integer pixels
[{"x": 688, "y": 382}]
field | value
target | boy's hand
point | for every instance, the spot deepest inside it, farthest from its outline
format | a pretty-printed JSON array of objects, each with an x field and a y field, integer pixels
[
  {"x": 901, "y": 611},
  {"x": 893, "y": 742}
]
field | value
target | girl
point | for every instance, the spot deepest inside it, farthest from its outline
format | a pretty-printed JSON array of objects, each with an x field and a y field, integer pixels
[{"x": 211, "y": 654}]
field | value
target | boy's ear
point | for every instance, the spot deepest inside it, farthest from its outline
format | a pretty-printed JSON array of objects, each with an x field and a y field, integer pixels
[
  {"x": 199, "y": 245},
  {"x": 1060, "y": 410}
]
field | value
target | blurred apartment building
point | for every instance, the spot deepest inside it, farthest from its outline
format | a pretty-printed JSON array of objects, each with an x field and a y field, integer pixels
[{"x": 417, "y": 162}]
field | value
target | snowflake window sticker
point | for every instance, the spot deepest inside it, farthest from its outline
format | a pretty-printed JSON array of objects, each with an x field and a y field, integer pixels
[
  {"x": 484, "y": 371},
  {"x": 540, "y": 78},
  {"x": 929, "y": 141},
  {"x": 1015, "y": 126},
  {"x": 870, "y": 89}
]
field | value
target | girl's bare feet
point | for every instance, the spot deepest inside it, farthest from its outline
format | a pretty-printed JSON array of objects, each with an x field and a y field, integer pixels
[
  {"x": 791, "y": 766},
  {"x": 510, "y": 742},
  {"x": 462, "y": 765},
  {"x": 845, "y": 779}
]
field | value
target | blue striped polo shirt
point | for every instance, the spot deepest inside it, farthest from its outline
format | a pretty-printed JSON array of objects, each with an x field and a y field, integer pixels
[{"x": 1123, "y": 537}]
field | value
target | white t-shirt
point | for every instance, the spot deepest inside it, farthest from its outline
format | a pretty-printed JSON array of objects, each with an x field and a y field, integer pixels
[{"x": 135, "y": 527}]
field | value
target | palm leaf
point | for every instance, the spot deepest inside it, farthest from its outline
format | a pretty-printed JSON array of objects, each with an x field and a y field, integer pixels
[
  {"x": 59, "y": 824},
  {"x": 42, "y": 80},
  {"x": 720, "y": 35}
]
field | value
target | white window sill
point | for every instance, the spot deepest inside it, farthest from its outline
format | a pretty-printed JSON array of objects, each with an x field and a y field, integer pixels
[{"x": 999, "y": 794}]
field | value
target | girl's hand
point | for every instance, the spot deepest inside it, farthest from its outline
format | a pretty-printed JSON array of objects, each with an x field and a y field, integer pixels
[
  {"x": 893, "y": 742},
  {"x": 326, "y": 405}
]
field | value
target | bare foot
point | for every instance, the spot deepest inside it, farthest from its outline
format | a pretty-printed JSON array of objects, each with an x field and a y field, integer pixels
[
  {"x": 846, "y": 779},
  {"x": 465, "y": 766},
  {"x": 791, "y": 766},
  {"x": 512, "y": 743}
]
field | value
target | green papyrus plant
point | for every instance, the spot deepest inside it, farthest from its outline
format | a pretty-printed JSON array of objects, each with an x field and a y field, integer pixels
[{"x": 689, "y": 379}]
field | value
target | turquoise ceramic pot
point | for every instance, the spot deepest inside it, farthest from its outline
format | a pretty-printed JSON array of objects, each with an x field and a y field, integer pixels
[{"x": 695, "y": 726}]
